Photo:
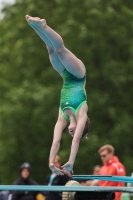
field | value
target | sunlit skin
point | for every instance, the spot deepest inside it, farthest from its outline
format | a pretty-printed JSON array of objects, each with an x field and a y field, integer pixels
[{"x": 61, "y": 58}]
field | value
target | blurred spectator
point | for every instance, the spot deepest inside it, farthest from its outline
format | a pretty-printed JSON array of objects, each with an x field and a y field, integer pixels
[
  {"x": 25, "y": 171},
  {"x": 4, "y": 195},
  {"x": 130, "y": 185},
  {"x": 111, "y": 166},
  {"x": 57, "y": 180},
  {"x": 96, "y": 171}
]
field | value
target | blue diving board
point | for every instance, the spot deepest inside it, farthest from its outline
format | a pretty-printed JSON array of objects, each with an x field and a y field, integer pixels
[
  {"x": 126, "y": 179},
  {"x": 65, "y": 188}
]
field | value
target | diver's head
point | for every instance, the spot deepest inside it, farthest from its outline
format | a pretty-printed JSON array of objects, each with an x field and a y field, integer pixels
[
  {"x": 73, "y": 125},
  {"x": 71, "y": 128}
]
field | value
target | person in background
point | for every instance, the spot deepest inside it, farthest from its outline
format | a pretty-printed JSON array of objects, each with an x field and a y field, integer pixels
[
  {"x": 25, "y": 172},
  {"x": 111, "y": 166},
  {"x": 96, "y": 171},
  {"x": 54, "y": 179}
]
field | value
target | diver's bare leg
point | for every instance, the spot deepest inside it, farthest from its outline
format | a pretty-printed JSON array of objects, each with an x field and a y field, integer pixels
[
  {"x": 67, "y": 58},
  {"x": 56, "y": 63}
]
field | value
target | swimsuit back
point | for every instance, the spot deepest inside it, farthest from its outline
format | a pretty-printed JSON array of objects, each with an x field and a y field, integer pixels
[{"x": 72, "y": 93}]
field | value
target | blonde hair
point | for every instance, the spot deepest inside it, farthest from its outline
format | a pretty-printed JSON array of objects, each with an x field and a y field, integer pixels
[
  {"x": 107, "y": 147},
  {"x": 58, "y": 158}
]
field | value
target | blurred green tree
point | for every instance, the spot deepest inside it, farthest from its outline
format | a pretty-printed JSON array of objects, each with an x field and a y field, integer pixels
[{"x": 99, "y": 33}]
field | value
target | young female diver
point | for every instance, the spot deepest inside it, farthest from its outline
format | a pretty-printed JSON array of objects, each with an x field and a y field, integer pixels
[{"x": 73, "y": 103}]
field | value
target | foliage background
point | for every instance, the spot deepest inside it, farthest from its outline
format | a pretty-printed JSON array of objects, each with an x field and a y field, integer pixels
[{"x": 99, "y": 32}]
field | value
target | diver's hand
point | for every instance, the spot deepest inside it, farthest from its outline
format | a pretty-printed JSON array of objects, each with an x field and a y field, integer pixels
[{"x": 55, "y": 169}]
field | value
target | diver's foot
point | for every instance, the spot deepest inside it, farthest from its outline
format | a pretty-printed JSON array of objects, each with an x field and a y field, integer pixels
[
  {"x": 36, "y": 22},
  {"x": 68, "y": 168},
  {"x": 56, "y": 170}
]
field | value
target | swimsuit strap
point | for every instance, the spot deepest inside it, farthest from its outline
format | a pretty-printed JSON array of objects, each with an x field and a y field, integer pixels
[
  {"x": 79, "y": 106},
  {"x": 75, "y": 110}
]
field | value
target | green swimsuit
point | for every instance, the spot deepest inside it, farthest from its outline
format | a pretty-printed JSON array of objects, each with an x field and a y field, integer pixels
[{"x": 72, "y": 93}]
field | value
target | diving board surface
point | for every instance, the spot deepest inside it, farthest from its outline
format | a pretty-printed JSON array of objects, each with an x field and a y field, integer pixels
[
  {"x": 126, "y": 179},
  {"x": 66, "y": 188}
]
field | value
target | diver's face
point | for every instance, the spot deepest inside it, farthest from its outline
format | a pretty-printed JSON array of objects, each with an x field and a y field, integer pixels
[{"x": 71, "y": 129}]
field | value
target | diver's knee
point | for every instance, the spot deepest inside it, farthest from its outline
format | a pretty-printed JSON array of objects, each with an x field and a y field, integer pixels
[
  {"x": 50, "y": 50},
  {"x": 60, "y": 51}
]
